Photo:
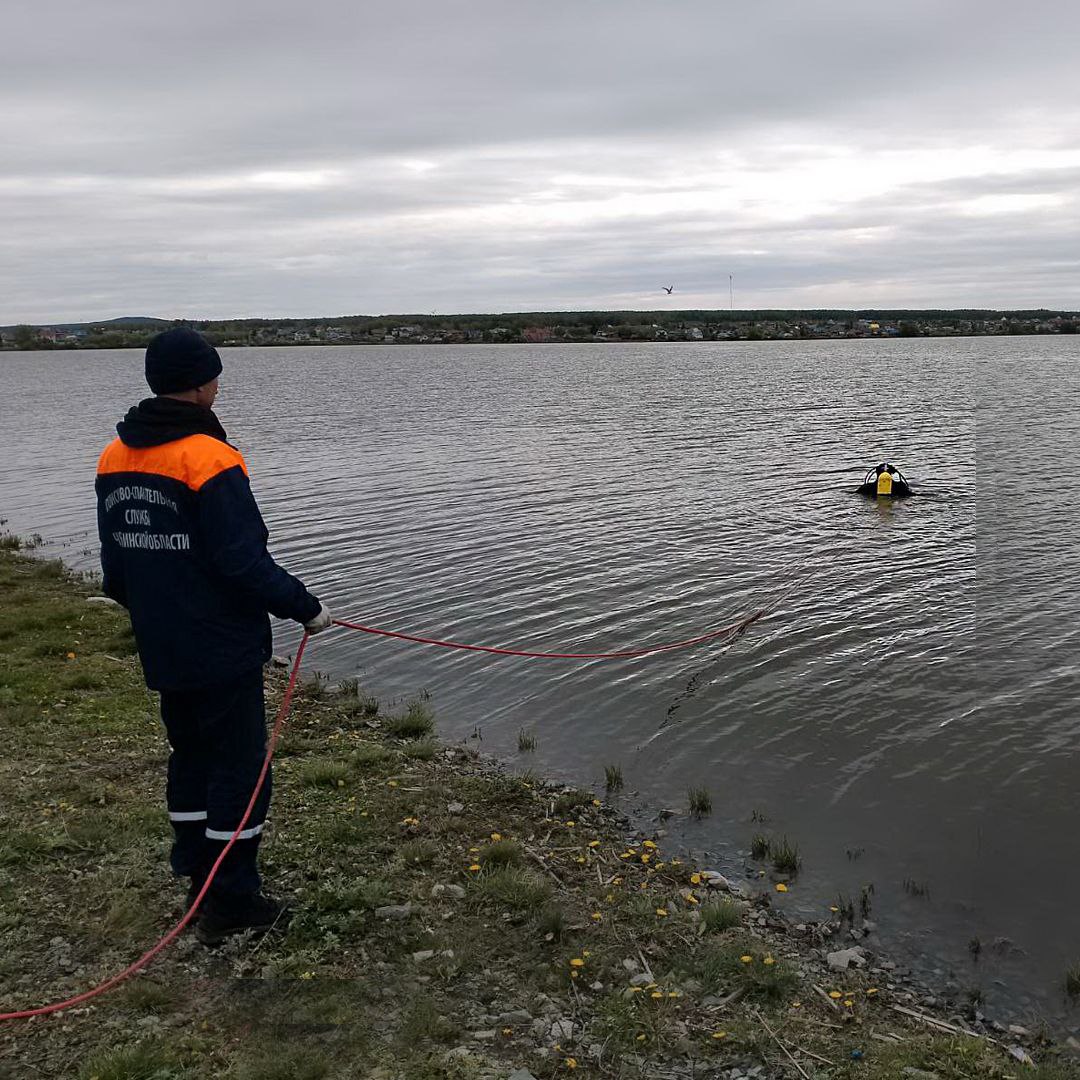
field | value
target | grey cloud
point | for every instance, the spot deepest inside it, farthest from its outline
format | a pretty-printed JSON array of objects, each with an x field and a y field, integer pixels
[{"x": 578, "y": 150}]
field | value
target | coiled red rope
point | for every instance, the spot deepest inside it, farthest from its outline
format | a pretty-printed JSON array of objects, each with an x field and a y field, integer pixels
[{"x": 279, "y": 723}]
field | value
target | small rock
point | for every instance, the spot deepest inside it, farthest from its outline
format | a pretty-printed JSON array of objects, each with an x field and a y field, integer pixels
[
  {"x": 424, "y": 954},
  {"x": 597, "y": 986},
  {"x": 641, "y": 979},
  {"x": 455, "y": 891},
  {"x": 515, "y": 1016},
  {"x": 716, "y": 880},
  {"x": 484, "y": 1036},
  {"x": 521, "y": 1074},
  {"x": 394, "y": 911},
  {"x": 457, "y": 1053},
  {"x": 919, "y": 1074},
  {"x": 561, "y": 1031},
  {"x": 1019, "y": 1031},
  {"x": 105, "y": 601},
  {"x": 845, "y": 958},
  {"x": 455, "y": 808},
  {"x": 1021, "y": 1055},
  {"x": 279, "y": 661}
]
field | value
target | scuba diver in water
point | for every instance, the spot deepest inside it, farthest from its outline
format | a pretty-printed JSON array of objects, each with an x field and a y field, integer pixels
[{"x": 885, "y": 481}]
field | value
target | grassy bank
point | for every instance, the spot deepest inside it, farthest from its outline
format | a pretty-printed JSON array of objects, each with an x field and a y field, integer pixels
[{"x": 451, "y": 920}]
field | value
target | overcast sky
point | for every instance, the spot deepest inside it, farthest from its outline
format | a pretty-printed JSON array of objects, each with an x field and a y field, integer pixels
[{"x": 218, "y": 158}]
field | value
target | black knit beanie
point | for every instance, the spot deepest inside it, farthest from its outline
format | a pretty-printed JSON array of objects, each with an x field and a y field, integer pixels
[{"x": 180, "y": 359}]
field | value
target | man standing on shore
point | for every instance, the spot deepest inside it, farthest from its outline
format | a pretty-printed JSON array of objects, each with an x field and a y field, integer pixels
[{"x": 183, "y": 548}]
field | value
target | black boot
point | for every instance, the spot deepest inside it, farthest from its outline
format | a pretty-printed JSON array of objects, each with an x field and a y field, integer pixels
[{"x": 218, "y": 920}]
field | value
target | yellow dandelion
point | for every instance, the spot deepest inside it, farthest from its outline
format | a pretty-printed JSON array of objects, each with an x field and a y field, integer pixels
[
  {"x": 781, "y": 887},
  {"x": 307, "y": 975},
  {"x": 695, "y": 879},
  {"x": 616, "y": 881},
  {"x": 636, "y": 990},
  {"x": 585, "y": 952},
  {"x": 848, "y": 1003},
  {"x": 746, "y": 958},
  {"x": 579, "y": 859},
  {"x": 645, "y": 857},
  {"x": 719, "y": 1034},
  {"x": 594, "y": 843},
  {"x": 391, "y": 783},
  {"x": 692, "y": 899},
  {"x": 610, "y": 898},
  {"x": 473, "y": 850},
  {"x": 872, "y": 991},
  {"x": 573, "y": 974},
  {"x": 658, "y": 865},
  {"x": 835, "y": 995},
  {"x": 571, "y": 1063},
  {"x": 834, "y": 909},
  {"x": 508, "y": 1031},
  {"x": 571, "y": 824},
  {"x": 475, "y": 866},
  {"x": 674, "y": 994},
  {"x": 596, "y": 916},
  {"x": 496, "y": 836},
  {"x": 640, "y": 1038},
  {"x": 661, "y": 912},
  {"x": 577, "y": 962},
  {"x": 597, "y": 802},
  {"x": 676, "y": 862},
  {"x": 796, "y": 1004},
  {"x": 655, "y": 995},
  {"x": 649, "y": 844},
  {"x": 71, "y": 656},
  {"x": 769, "y": 961}
]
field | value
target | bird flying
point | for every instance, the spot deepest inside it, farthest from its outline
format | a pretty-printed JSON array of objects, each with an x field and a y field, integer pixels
[{"x": 667, "y": 288}]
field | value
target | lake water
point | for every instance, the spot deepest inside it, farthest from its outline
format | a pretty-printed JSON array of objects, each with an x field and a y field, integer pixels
[{"x": 907, "y": 712}]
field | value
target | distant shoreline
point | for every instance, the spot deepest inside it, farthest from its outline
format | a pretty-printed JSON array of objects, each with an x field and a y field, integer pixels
[{"x": 554, "y": 328}]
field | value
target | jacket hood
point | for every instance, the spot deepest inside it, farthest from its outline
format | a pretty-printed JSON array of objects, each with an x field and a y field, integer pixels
[{"x": 160, "y": 420}]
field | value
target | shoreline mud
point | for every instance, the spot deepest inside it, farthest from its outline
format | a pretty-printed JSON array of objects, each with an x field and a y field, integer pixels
[{"x": 450, "y": 918}]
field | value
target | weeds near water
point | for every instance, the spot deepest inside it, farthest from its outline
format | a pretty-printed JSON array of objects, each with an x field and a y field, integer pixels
[
  {"x": 424, "y": 750},
  {"x": 975, "y": 947},
  {"x": 417, "y": 722},
  {"x": 760, "y": 846},
  {"x": 700, "y": 802},
  {"x": 526, "y": 742},
  {"x": 1072, "y": 981},
  {"x": 864, "y": 900},
  {"x": 569, "y": 801},
  {"x": 916, "y": 888},
  {"x": 317, "y": 687},
  {"x": 785, "y": 856},
  {"x": 844, "y": 908},
  {"x": 720, "y": 915},
  {"x": 758, "y": 817},
  {"x": 613, "y": 777}
]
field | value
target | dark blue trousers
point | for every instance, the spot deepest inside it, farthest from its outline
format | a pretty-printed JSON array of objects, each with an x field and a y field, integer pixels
[{"x": 218, "y": 740}]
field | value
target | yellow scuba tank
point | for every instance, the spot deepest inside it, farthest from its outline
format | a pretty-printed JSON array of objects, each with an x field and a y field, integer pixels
[{"x": 884, "y": 484}]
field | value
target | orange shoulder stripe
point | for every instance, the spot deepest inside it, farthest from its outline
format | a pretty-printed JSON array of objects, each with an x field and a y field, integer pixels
[{"x": 192, "y": 460}]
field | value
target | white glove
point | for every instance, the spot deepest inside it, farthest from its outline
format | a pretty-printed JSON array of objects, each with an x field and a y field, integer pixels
[{"x": 320, "y": 622}]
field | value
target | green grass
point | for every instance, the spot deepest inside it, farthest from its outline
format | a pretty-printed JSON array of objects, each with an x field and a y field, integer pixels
[
  {"x": 500, "y": 853},
  {"x": 720, "y": 915},
  {"x": 526, "y": 742},
  {"x": 283, "y": 1063},
  {"x": 1072, "y": 981},
  {"x": 569, "y": 801},
  {"x": 324, "y": 772},
  {"x": 785, "y": 856},
  {"x": 700, "y": 802},
  {"x": 143, "y": 1061},
  {"x": 418, "y": 852},
  {"x": 512, "y": 888},
  {"x": 613, "y": 777},
  {"x": 416, "y": 722},
  {"x": 720, "y": 968}
]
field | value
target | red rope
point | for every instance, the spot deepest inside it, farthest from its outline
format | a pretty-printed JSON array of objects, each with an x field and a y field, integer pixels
[
  {"x": 279, "y": 722},
  {"x": 732, "y": 628},
  {"x": 178, "y": 929}
]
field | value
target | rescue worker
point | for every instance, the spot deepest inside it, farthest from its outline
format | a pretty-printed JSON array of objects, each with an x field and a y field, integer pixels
[{"x": 183, "y": 548}]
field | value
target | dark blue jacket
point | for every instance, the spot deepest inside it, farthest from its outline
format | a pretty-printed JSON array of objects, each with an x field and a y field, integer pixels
[{"x": 183, "y": 548}]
